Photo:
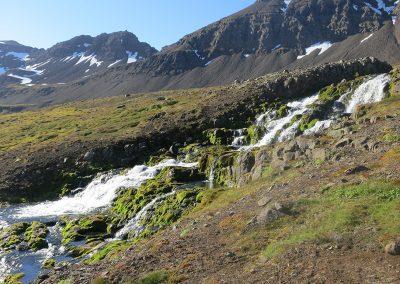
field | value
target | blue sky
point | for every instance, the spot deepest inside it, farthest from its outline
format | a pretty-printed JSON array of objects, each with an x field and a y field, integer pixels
[{"x": 42, "y": 23}]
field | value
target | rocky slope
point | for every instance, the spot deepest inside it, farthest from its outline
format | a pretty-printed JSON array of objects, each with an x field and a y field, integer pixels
[
  {"x": 266, "y": 37},
  {"x": 302, "y": 169}
]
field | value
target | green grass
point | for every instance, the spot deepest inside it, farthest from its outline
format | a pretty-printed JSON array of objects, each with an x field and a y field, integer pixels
[
  {"x": 155, "y": 277},
  {"x": 339, "y": 211},
  {"x": 98, "y": 119}
]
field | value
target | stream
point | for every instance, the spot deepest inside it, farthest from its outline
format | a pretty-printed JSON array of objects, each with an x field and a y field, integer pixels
[{"x": 103, "y": 189}]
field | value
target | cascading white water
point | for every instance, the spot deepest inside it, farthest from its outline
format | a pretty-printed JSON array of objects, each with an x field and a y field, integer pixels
[
  {"x": 5, "y": 268},
  {"x": 99, "y": 193},
  {"x": 211, "y": 175},
  {"x": 238, "y": 138},
  {"x": 371, "y": 91},
  {"x": 275, "y": 129},
  {"x": 134, "y": 224}
]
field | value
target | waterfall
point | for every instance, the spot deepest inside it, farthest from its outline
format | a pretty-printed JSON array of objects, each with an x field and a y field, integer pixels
[
  {"x": 238, "y": 137},
  {"x": 99, "y": 193},
  {"x": 211, "y": 176},
  {"x": 371, "y": 91},
  {"x": 276, "y": 129},
  {"x": 134, "y": 224}
]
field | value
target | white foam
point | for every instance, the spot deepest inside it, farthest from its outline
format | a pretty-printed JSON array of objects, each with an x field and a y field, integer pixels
[
  {"x": 371, "y": 91},
  {"x": 275, "y": 127},
  {"x": 5, "y": 268},
  {"x": 99, "y": 193}
]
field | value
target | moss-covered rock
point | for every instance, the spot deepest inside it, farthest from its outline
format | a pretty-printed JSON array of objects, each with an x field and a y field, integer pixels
[
  {"x": 254, "y": 134},
  {"x": 14, "y": 279},
  {"x": 49, "y": 263},
  {"x": 132, "y": 200},
  {"x": 185, "y": 175},
  {"x": 33, "y": 234},
  {"x": 282, "y": 111},
  {"x": 95, "y": 226},
  {"x": 169, "y": 211},
  {"x": 219, "y": 136}
]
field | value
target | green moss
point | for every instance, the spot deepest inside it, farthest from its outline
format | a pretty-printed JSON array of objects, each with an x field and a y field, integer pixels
[
  {"x": 391, "y": 137},
  {"x": 282, "y": 111},
  {"x": 253, "y": 134},
  {"x": 131, "y": 201},
  {"x": 341, "y": 211},
  {"x": 65, "y": 281},
  {"x": 35, "y": 236},
  {"x": 33, "y": 233},
  {"x": 156, "y": 277},
  {"x": 307, "y": 121},
  {"x": 169, "y": 211},
  {"x": 219, "y": 136},
  {"x": 49, "y": 263},
  {"x": 14, "y": 279},
  {"x": 382, "y": 190},
  {"x": 89, "y": 228},
  {"x": 110, "y": 249}
]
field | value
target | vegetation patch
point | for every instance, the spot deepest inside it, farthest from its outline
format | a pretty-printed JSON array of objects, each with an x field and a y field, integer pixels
[{"x": 339, "y": 211}]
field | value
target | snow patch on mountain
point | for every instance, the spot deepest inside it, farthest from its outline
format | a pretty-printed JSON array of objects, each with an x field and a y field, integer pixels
[
  {"x": 198, "y": 55},
  {"x": 285, "y": 5},
  {"x": 24, "y": 80},
  {"x": 276, "y": 47},
  {"x": 115, "y": 63},
  {"x": 382, "y": 6},
  {"x": 89, "y": 58},
  {"x": 367, "y": 38},
  {"x": 322, "y": 46},
  {"x": 34, "y": 68},
  {"x": 132, "y": 57},
  {"x": 20, "y": 55}
]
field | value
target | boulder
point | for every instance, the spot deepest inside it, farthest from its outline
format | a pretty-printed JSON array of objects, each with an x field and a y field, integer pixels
[
  {"x": 356, "y": 169},
  {"x": 269, "y": 215},
  {"x": 182, "y": 174},
  {"x": 393, "y": 248},
  {"x": 264, "y": 201},
  {"x": 343, "y": 142}
]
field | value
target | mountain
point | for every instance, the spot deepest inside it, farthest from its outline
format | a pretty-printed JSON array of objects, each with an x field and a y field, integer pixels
[
  {"x": 13, "y": 55},
  {"x": 72, "y": 59},
  {"x": 268, "y": 36}
]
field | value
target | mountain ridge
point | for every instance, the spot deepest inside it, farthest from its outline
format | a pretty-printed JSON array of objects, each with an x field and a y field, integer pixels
[{"x": 265, "y": 37}]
